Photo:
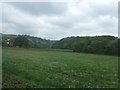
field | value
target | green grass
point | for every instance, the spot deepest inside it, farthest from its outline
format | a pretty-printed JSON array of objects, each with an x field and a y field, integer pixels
[
  {"x": 0, "y": 67},
  {"x": 55, "y": 69}
]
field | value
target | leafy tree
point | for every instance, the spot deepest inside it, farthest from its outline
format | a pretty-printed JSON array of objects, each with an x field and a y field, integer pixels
[
  {"x": 21, "y": 41},
  {"x": 97, "y": 44}
]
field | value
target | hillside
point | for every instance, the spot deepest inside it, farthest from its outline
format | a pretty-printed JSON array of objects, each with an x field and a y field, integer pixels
[
  {"x": 35, "y": 41},
  {"x": 96, "y": 44}
]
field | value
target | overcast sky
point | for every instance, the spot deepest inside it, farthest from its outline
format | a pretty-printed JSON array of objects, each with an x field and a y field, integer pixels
[{"x": 56, "y": 20}]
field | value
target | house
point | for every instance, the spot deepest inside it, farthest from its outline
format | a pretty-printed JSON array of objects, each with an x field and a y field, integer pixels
[{"x": 10, "y": 43}]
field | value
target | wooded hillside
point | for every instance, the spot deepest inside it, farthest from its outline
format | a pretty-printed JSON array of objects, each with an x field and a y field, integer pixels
[{"x": 96, "y": 44}]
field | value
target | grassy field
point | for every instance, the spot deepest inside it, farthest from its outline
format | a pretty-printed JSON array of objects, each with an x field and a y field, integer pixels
[
  {"x": 55, "y": 69},
  {"x": 0, "y": 67}
]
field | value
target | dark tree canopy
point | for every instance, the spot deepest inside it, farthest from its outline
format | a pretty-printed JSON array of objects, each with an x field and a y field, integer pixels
[
  {"x": 98, "y": 44},
  {"x": 21, "y": 41},
  {"x": 34, "y": 42}
]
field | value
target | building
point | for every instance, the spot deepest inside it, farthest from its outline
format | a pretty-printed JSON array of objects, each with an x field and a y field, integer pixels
[{"x": 10, "y": 43}]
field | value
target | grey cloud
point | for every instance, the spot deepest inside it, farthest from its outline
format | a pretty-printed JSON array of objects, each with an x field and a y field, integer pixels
[
  {"x": 41, "y": 8},
  {"x": 98, "y": 10},
  {"x": 13, "y": 28},
  {"x": 118, "y": 19},
  {"x": 58, "y": 20}
]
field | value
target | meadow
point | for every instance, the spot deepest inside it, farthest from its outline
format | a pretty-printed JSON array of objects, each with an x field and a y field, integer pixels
[{"x": 39, "y": 68}]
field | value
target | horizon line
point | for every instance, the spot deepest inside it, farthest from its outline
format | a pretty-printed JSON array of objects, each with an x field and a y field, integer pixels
[{"x": 61, "y": 38}]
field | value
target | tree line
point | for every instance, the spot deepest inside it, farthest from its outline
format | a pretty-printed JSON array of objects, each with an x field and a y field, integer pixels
[
  {"x": 25, "y": 41},
  {"x": 97, "y": 44}
]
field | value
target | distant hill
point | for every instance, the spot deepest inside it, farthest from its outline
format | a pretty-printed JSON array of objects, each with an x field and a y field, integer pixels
[
  {"x": 35, "y": 41},
  {"x": 95, "y": 44}
]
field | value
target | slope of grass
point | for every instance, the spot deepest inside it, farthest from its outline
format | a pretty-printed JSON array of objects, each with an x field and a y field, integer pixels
[
  {"x": 0, "y": 66},
  {"x": 55, "y": 69}
]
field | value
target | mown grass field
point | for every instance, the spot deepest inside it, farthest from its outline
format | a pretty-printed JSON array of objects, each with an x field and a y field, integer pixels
[{"x": 56, "y": 69}]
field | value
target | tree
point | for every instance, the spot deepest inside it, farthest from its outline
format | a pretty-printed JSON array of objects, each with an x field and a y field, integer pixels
[
  {"x": 21, "y": 41},
  {"x": 97, "y": 44}
]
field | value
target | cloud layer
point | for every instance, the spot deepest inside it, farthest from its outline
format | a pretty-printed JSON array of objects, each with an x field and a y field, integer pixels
[{"x": 55, "y": 20}]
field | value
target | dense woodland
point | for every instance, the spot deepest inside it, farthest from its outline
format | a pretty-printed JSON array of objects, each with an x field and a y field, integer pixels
[
  {"x": 26, "y": 41},
  {"x": 97, "y": 44}
]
